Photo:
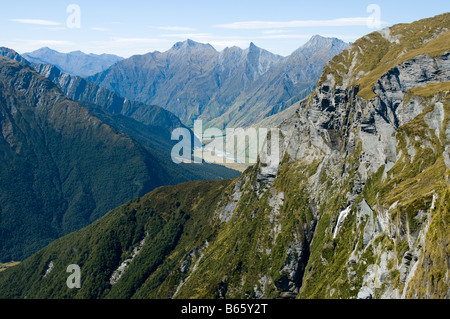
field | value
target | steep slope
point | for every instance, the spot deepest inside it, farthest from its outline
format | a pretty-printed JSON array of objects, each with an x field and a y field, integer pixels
[
  {"x": 150, "y": 125},
  {"x": 10, "y": 53},
  {"x": 61, "y": 167},
  {"x": 91, "y": 193},
  {"x": 83, "y": 91},
  {"x": 166, "y": 222},
  {"x": 232, "y": 87},
  {"x": 357, "y": 206},
  {"x": 74, "y": 63},
  {"x": 154, "y": 125}
]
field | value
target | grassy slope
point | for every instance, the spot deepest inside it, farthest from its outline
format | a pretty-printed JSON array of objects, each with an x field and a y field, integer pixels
[{"x": 375, "y": 55}]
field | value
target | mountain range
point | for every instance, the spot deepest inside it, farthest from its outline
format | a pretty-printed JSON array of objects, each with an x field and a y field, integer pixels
[
  {"x": 231, "y": 88},
  {"x": 356, "y": 207},
  {"x": 74, "y": 63},
  {"x": 67, "y": 162}
]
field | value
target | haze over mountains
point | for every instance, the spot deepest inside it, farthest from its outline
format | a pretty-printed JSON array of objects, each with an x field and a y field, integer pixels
[
  {"x": 234, "y": 87},
  {"x": 74, "y": 63}
]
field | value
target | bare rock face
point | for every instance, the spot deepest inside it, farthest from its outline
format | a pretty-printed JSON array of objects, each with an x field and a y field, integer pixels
[{"x": 394, "y": 84}]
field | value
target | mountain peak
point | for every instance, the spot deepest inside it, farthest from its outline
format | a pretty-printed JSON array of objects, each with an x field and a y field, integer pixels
[
  {"x": 45, "y": 49},
  {"x": 10, "y": 53},
  {"x": 78, "y": 52},
  {"x": 318, "y": 43},
  {"x": 253, "y": 48},
  {"x": 318, "y": 36},
  {"x": 317, "y": 40},
  {"x": 192, "y": 44}
]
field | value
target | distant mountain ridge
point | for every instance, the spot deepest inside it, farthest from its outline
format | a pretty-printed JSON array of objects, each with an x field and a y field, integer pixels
[
  {"x": 234, "y": 87},
  {"x": 75, "y": 62}
]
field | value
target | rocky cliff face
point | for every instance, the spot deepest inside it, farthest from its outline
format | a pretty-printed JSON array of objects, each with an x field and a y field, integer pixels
[
  {"x": 374, "y": 173},
  {"x": 357, "y": 206}
]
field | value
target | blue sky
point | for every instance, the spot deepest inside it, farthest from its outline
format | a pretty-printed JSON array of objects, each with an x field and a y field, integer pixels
[{"x": 133, "y": 27}]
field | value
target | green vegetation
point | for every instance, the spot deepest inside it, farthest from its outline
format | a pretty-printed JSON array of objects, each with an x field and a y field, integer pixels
[
  {"x": 65, "y": 165},
  {"x": 430, "y": 280},
  {"x": 62, "y": 168},
  {"x": 375, "y": 55},
  {"x": 408, "y": 187},
  {"x": 172, "y": 220}
]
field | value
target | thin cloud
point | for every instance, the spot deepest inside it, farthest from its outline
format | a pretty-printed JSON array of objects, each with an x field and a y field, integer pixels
[
  {"x": 305, "y": 36},
  {"x": 275, "y": 31},
  {"x": 99, "y": 29},
  {"x": 37, "y": 22},
  {"x": 51, "y": 42},
  {"x": 342, "y": 22},
  {"x": 175, "y": 28},
  {"x": 189, "y": 35},
  {"x": 135, "y": 40},
  {"x": 55, "y": 28},
  {"x": 172, "y": 28}
]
